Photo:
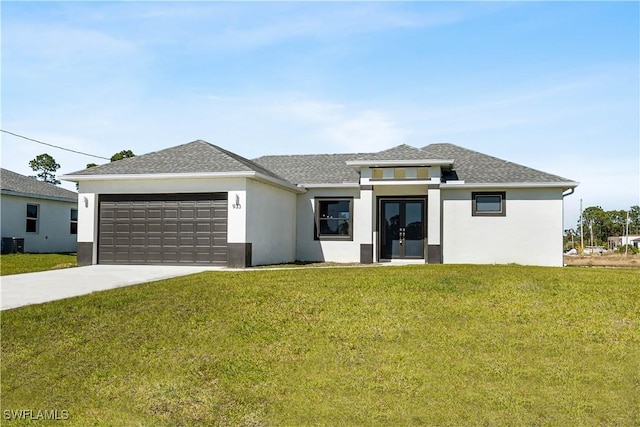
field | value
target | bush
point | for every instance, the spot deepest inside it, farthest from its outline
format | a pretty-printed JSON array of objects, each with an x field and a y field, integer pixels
[{"x": 632, "y": 249}]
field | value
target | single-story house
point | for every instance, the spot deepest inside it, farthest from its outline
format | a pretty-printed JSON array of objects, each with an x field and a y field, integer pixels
[
  {"x": 198, "y": 203},
  {"x": 616, "y": 241},
  {"x": 36, "y": 216}
]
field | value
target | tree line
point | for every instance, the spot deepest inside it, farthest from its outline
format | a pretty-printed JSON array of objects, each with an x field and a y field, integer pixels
[
  {"x": 46, "y": 166},
  {"x": 598, "y": 225}
]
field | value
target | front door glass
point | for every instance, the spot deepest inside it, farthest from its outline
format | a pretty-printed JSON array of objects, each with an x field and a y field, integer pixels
[{"x": 402, "y": 230}]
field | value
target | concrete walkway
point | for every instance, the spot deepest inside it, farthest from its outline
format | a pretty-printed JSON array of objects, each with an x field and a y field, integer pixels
[{"x": 34, "y": 288}]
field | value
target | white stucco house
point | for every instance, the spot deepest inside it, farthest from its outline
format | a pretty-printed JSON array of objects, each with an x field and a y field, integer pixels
[
  {"x": 616, "y": 241},
  {"x": 200, "y": 204},
  {"x": 42, "y": 216}
]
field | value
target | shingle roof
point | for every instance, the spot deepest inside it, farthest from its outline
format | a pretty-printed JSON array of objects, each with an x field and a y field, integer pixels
[
  {"x": 401, "y": 152},
  {"x": 476, "y": 168},
  {"x": 194, "y": 157},
  {"x": 201, "y": 157},
  {"x": 332, "y": 168},
  {"x": 313, "y": 168},
  {"x": 12, "y": 181}
]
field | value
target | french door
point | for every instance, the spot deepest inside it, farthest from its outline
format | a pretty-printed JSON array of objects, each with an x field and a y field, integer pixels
[{"x": 402, "y": 228}]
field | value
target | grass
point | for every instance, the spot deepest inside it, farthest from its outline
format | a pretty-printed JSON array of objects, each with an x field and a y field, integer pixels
[
  {"x": 413, "y": 345},
  {"x": 30, "y": 263}
]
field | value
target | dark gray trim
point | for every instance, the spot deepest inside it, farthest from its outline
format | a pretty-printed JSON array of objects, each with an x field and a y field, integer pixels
[
  {"x": 434, "y": 254},
  {"x": 366, "y": 187},
  {"x": 239, "y": 255},
  {"x": 503, "y": 204},
  {"x": 85, "y": 253},
  {"x": 366, "y": 253},
  {"x": 176, "y": 197},
  {"x": 433, "y": 186}
]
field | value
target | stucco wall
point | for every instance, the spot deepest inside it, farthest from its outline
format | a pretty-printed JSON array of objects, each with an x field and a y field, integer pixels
[
  {"x": 260, "y": 214},
  {"x": 309, "y": 249},
  {"x": 54, "y": 218},
  {"x": 529, "y": 234},
  {"x": 271, "y": 223}
]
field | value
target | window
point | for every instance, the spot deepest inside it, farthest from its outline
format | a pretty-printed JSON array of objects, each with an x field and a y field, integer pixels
[
  {"x": 73, "y": 226},
  {"x": 488, "y": 203},
  {"x": 423, "y": 173},
  {"x": 333, "y": 219},
  {"x": 400, "y": 173},
  {"x": 32, "y": 218}
]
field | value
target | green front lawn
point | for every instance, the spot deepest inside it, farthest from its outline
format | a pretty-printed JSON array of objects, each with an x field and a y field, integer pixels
[
  {"x": 29, "y": 263},
  {"x": 414, "y": 345}
]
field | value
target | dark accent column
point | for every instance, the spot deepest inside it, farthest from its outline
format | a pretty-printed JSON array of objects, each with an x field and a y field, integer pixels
[
  {"x": 434, "y": 254},
  {"x": 366, "y": 187},
  {"x": 85, "y": 253},
  {"x": 239, "y": 255},
  {"x": 366, "y": 253}
]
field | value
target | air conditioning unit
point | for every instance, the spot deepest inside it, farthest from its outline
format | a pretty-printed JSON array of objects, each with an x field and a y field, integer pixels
[{"x": 12, "y": 245}]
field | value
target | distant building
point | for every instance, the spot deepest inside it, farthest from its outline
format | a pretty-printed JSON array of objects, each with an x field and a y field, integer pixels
[
  {"x": 37, "y": 216},
  {"x": 615, "y": 241}
]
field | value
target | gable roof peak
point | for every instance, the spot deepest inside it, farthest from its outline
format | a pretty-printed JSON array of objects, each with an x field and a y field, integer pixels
[{"x": 197, "y": 156}]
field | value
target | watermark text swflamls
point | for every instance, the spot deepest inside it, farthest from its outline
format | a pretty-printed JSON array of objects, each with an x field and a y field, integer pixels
[{"x": 35, "y": 414}]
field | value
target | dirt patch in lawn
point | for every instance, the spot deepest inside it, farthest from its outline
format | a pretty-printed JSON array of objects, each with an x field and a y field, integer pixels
[
  {"x": 607, "y": 260},
  {"x": 63, "y": 265}
]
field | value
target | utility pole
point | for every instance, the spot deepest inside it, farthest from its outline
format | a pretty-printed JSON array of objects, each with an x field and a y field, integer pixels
[
  {"x": 581, "y": 230},
  {"x": 626, "y": 247}
]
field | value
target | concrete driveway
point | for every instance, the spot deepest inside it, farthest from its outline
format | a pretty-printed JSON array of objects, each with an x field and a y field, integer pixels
[{"x": 34, "y": 288}]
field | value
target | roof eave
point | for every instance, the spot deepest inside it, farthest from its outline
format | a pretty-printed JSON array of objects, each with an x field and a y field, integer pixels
[
  {"x": 198, "y": 175},
  {"x": 39, "y": 196},
  {"x": 493, "y": 185},
  {"x": 389, "y": 163},
  {"x": 331, "y": 185}
]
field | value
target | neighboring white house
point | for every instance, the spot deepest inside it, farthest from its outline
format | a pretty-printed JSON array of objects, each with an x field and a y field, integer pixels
[
  {"x": 200, "y": 204},
  {"x": 632, "y": 239},
  {"x": 44, "y": 215}
]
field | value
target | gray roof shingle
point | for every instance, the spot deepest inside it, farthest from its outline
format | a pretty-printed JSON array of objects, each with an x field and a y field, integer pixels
[
  {"x": 313, "y": 168},
  {"x": 14, "y": 182},
  {"x": 401, "y": 152},
  {"x": 201, "y": 157},
  {"x": 476, "y": 168},
  {"x": 194, "y": 157}
]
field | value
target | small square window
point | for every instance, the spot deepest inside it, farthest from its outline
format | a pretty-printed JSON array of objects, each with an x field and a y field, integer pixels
[
  {"x": 488, "y": 203},
  {"x": 333, "y": 219}
]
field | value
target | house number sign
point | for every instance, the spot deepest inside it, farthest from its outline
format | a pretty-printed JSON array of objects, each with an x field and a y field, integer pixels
[{"x": 237, "y": 205}]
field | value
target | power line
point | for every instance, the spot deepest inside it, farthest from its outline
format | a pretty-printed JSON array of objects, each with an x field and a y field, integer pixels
[{"x": 51, "y": 145}]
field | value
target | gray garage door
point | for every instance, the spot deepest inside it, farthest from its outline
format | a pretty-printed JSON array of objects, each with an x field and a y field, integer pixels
[{"x": 163, "y": 229}]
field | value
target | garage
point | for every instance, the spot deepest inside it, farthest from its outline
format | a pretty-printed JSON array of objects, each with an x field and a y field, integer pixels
[{"x": 182, "y": 229}]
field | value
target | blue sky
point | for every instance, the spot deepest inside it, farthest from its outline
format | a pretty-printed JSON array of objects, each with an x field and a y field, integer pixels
[{"x": 552, "y": 85}]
